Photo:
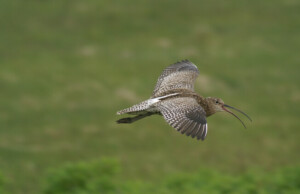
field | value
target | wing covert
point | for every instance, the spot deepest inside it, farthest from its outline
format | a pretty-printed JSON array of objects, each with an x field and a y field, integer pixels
[
  {"x": 185, "y": 115},
  {"x": 180, "y": 75}
]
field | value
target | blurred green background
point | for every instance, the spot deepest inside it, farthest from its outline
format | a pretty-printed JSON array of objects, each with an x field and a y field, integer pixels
[{"x": 67, "y": 66}]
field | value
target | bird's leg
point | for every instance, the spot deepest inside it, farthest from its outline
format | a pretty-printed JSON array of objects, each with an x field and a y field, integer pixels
[{"x": 133, "y": 119}]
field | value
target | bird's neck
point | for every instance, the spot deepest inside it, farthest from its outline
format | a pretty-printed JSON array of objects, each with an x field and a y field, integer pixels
[
  {"x": 207, "y": 106},
  {"x": 205, "y": 103}
]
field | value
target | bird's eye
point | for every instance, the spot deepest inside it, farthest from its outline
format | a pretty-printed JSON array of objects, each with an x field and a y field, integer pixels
[{"x": 217, "y": 102}]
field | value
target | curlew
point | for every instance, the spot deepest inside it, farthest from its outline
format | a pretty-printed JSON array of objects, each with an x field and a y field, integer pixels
[{"x": 175, "y": 99}]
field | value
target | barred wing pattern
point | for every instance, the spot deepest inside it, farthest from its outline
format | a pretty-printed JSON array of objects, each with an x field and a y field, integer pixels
[
  {"x": 180, "y": 75},
  {"x": 185, "y": 115}
]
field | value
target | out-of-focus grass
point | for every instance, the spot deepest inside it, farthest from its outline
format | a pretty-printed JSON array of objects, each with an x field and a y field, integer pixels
[
  {"x": 102, "y": 176},
  {"x": 68, "y": 66}
]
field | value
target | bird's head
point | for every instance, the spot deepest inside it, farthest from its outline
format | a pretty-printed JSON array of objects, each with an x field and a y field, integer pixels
[{"x": 218, "y": 105}]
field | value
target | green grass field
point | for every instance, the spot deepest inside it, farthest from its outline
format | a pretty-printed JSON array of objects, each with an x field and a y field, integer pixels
[{"x": 66, "y": 67}]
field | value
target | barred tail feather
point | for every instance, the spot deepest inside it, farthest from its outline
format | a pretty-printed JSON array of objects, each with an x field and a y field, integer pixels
[
  {"x": 126, "y": 110},
  {"x": 135, "y": 108}
]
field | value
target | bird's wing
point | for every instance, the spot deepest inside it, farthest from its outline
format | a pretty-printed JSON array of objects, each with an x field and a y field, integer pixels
[
  {"x": 185, "y": 115},
  {"x": 180, "y": 75}
]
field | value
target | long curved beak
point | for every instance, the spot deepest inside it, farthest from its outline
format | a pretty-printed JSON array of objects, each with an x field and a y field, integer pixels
[{"x": 225, "y": 105}]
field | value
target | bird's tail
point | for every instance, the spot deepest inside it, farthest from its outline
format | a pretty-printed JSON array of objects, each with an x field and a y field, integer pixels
[
  {"x": 133, "y": 119},
  {"x": 135, "y": 109}
]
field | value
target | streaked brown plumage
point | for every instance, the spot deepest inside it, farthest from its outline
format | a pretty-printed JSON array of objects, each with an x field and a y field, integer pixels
[{"x": 175, "y": 99}]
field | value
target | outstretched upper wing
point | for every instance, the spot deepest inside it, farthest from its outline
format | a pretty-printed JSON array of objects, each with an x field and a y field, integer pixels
[
  {"x": 185, "y": 115},
  {"x": 180, "y": 75}
]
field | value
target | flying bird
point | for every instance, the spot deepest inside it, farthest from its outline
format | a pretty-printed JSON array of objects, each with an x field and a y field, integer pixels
[{"x": 175, "y": 99}]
